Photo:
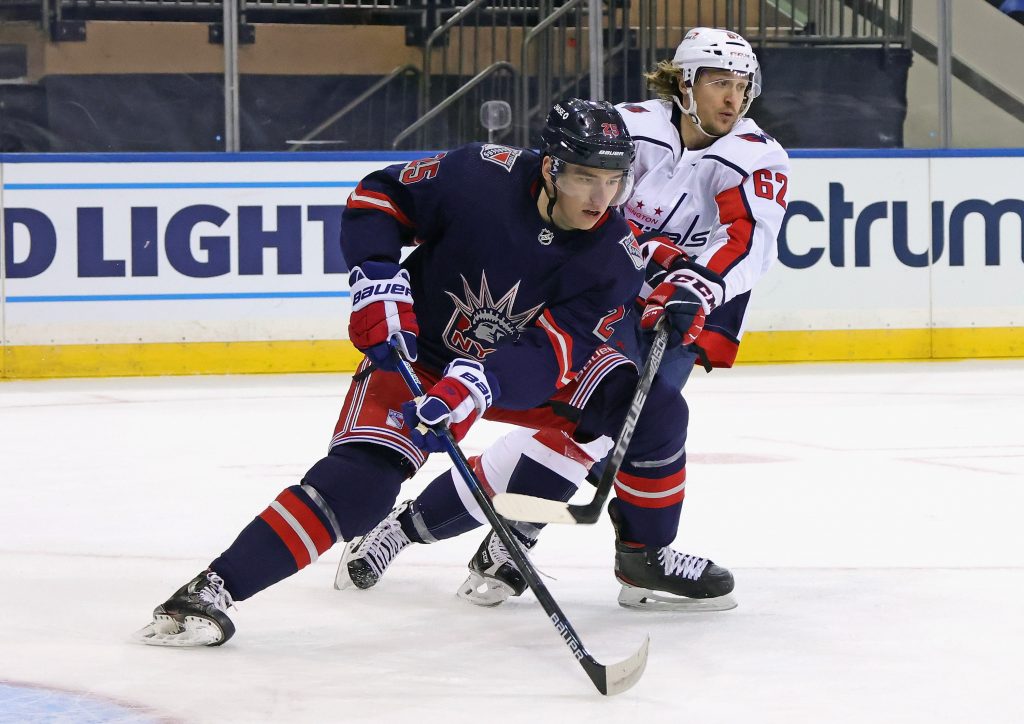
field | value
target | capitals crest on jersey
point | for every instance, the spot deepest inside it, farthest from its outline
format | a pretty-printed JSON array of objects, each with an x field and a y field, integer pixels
[
  {"x": 501, "y": 155},
  {"x": 479, "y": 323},
  {"x": 760, "y": 137}
]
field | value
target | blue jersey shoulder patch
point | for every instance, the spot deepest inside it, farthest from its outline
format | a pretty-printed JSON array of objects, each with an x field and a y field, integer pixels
[
  {"x": 632, "y": 247},
  {"x": 504, "y": 156}
]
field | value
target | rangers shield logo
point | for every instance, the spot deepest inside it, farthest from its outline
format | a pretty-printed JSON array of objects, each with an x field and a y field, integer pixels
[
  {"x": 395, "y": 420},
  {"x": 504, "y": 156},
  {"x": 479, "y": 324},
  {"x": 632, "y": 247}
]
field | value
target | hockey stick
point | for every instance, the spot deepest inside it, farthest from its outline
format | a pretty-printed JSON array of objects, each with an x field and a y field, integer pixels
[
  {"x": 516, "y": 506},
  {"x": 609, "y": 680}
]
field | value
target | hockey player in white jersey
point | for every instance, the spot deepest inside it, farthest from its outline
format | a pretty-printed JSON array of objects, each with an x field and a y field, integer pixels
[
  {"x": 709, "y": 179},
  {"x": 709, "y": 200}
]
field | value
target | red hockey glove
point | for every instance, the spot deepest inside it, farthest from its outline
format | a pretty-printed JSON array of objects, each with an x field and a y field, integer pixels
[
  {"x": 660, "y": 256},
  {"x": 687, "y": 294},
  {"x": 462, "y": 395},
  {"x": 382, "y": 310}
]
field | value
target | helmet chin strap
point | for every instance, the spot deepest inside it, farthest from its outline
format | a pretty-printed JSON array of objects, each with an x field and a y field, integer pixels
[
  {"x": 691, "y": 113},
  {"x": 552, "y": 196}
]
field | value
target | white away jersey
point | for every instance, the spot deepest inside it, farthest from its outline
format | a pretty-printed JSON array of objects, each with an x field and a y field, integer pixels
[{"x": 723, "y": 205}]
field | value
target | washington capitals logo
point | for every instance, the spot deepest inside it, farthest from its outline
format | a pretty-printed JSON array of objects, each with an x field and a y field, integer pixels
[
  {"x": 479, "y": 324},
  {"x": 756, "y": 137}
]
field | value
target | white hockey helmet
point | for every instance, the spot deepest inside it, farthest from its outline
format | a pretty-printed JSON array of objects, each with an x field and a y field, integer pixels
[{"x": 722, "y": 50}]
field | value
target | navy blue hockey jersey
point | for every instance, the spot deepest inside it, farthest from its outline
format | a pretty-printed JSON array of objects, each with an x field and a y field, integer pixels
[{"x": 491, "y": 279}]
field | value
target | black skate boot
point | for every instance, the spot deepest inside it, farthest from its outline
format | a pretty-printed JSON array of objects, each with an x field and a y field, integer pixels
[
  {"x": 196, "y": 615},
  {"x": 493, "y": 576},
  {"x": 366, "y": 558},
  {"x": 662, "y": 579}
]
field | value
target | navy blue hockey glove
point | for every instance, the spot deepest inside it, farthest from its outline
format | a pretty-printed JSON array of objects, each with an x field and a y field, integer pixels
[
  {"x": 456, "y": 401},
  {"x": 684, "y": 298},
  {"x": 382, "y": 311}
]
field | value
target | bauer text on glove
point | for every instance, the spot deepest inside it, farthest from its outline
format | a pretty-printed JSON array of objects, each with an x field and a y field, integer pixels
[
  {"x": 457, "y": 400},
  {"x": 382, "y": 311}
]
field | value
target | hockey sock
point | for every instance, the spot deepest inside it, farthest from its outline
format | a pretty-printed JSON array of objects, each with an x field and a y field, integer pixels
[
  {"x": 440, "y": 511},
  {"x": 641, "y": 521},
  {"x": 545, "y": 463},
  {"x": 651, "y": 483},
  {"x": 343, "y": 495}
]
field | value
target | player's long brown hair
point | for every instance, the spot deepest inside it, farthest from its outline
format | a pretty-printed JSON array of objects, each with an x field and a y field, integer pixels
[{"x": 664, "y": 79}]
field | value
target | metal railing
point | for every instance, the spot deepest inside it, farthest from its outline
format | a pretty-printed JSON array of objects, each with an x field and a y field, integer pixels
[
  {"x": 500, "y": 66},
  {"x": 311, "y": 138},
  {"x": 546, "y": 64},
  {"x": 532, "y": 53},
  {"x": 549, "y": 53}
]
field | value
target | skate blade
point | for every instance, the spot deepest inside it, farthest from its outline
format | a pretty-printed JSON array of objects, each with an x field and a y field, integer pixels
[
  {"x": 484, "y": 591},
  {"x": 342, "y": 580},
  {"x": 647, "y": 600},
  {"x": 166, "y": 631}
]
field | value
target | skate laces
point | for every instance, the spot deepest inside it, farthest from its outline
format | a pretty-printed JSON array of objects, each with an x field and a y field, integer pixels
[
  {"x": 681, "y": 564},
  {"x": 499, "y": 553},
  {"x": 383, "y": 543},
  {"x": 214, "y": 592}
]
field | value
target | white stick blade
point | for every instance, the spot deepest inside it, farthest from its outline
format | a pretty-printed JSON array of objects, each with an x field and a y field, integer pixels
[
  {"x": 515, "y": 506},
  {"x": 623, "y": 675}
]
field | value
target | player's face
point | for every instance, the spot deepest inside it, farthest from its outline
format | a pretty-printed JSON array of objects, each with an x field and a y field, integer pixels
[
  {"x": 584, "y": 194},
  {"x": 719, "y": 95}
]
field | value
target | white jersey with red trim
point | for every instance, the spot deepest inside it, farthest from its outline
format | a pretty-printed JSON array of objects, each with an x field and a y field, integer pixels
[{"x": 723, "y": 205}]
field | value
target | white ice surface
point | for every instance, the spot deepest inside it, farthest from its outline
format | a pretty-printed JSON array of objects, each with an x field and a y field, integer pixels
[{"x": 872, "y": 515}]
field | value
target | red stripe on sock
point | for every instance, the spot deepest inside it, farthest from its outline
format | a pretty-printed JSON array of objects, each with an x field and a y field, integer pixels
[
  {"x": 655, "y": 486},
  {"x": 474, "y": 464},
  {"x": 560, "y": 442},
  {"x": 287, "y": 535},
  {"x": 307, "y": 519}
]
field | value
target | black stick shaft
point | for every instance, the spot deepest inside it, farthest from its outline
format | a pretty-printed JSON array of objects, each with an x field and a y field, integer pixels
[{"x": 597, "y": 672}]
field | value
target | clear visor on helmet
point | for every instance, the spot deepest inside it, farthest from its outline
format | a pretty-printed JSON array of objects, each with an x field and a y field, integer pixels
[
  {"x": 749, "y": 84},
  {"x": 599, "y": 187}
]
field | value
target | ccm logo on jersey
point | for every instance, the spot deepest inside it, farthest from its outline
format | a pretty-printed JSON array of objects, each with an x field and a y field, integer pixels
[
  {"x": 501, "y": 155},
  {"x": 632, "y": 247}
]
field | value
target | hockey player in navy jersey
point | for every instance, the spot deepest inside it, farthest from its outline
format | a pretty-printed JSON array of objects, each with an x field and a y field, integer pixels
[
  {"x": 708, "y": 202},
  {"x": 518, "y": 259}
]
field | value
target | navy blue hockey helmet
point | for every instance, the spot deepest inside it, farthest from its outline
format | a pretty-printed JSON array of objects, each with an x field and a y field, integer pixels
[{"x": 588, "y": 133}]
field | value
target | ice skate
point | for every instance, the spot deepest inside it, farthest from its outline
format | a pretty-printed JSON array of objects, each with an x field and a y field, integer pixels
[
  {"x": 196, "y": 615},
  {"x": 662, "y": 579},
  {"x": 493, "y": 576},
  {"x": 367, "y": 557}
]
